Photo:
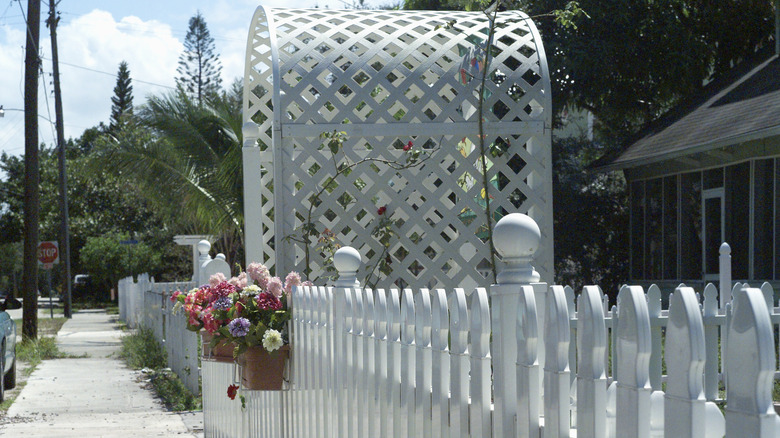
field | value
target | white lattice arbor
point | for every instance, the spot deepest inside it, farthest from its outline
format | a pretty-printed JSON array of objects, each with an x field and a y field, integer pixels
[{"x": 386, "y": 78}]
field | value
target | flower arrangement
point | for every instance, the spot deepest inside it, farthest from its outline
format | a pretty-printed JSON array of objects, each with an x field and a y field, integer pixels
[{"x": 248, "y": 310}]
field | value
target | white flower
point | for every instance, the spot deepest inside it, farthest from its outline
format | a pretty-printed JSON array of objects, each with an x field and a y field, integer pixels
[
  {"x": 272, "y": 340},
  {"x": 251, "y": 291},
  {"x": 176, "y": 308}
]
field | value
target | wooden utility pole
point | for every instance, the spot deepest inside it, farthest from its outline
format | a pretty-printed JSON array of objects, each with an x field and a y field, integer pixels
[
  {"x": 64, "y": 234},
  {"x": 31, "y": 172}
]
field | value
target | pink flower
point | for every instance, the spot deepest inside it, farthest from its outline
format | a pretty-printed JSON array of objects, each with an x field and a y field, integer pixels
[
  {"x": 221, "y": 290},
  {"x": 275, "y": 287},
  {"x": 408, "y": 146},
  {"x": 240, "y": 281},
  {"x": 175, "y": 295},
  {"x": 381, "y": 210},
  {"x": 209, "y": 323},
  {"x": 293, "y": 279},
  {"x": 259, "y": 273},
  {"x": 217, "y": 279},
  {"x": 307, "y": 283},
  {"x": 268, "y": 301}
]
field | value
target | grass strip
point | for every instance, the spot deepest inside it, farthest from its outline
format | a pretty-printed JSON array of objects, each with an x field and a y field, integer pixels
[{"x": 140, "y": 350}]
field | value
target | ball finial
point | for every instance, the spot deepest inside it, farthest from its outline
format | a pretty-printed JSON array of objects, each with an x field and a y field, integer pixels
[
  {"x": 516, "y": 235},
  {"x": 204, "y": 247},
  {"x": 346, "y": 260}
]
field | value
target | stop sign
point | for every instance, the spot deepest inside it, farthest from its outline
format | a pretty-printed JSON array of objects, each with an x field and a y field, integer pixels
[{"x": 48, "y": 252}]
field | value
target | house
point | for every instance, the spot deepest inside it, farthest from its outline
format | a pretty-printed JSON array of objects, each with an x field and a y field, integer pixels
[{"x": 707, "y": 173}]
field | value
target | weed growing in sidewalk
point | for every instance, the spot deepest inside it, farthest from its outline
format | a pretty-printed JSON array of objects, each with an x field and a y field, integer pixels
[
  {"x": 173, "y": 392},
  {"x": 140, "y": 350}
]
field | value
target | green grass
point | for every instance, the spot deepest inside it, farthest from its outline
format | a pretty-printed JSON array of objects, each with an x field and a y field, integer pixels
[
  {"x": 140, "y": 350},
  {"x": 33, "y": 352},
  {"x": 173, "y": 392}
]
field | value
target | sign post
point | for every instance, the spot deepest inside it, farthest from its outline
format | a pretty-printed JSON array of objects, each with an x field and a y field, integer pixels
[{"x": 48, "y": 256}]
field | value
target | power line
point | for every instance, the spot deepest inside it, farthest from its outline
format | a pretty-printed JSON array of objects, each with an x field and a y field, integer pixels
[{"x": 111, "y": 74}]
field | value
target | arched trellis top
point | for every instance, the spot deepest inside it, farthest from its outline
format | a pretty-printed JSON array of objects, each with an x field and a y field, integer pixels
[{"x": 386, "y": 78}]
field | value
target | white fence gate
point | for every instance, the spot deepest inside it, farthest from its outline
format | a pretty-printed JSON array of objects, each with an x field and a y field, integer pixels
[{"x": 517, "y": 359}]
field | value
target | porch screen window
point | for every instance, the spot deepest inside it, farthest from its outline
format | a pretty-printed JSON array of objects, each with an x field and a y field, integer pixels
[
  {"x": 738, "y": 218},
  {"x": 654, "y": 226},
  {"x": 690, "y": 225},
  {"x": 637, "y": 229},
  {"x": 776, "y": 222},
  {"x": 763, "y": 240},
  {"x": 670, "y": 228}
]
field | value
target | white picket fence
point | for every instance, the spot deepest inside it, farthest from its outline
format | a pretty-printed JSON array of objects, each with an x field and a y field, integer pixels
[{"x": 520, "y": 359}]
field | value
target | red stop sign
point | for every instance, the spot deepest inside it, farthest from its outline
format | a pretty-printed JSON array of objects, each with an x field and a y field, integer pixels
[{"x": 48, "y": 252}]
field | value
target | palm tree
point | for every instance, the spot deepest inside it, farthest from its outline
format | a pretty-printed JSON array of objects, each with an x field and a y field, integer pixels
[{"x": 187, "y": 159}]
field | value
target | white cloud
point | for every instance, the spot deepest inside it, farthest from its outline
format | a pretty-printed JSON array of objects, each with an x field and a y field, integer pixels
[
  {"x": 91, "y": 47},
  {"x": 98, "y": 42}
]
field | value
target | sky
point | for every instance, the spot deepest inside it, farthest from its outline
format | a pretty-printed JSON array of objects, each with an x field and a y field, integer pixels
[{"x": 94, "y": 36}]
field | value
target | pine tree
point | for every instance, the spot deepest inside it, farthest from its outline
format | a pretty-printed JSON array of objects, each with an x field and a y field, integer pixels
[
  {"x": 199, "y": 66},
  {"x": 122, "y": 101}
]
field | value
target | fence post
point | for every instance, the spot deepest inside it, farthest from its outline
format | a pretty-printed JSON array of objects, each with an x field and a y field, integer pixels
[
  {"x": 517, "y": 238},
  {"x": 750, "y": 368},
  {"x": 725, "y": 275},
  {"x": 203, "y": 250},
  {"x": 347, "y": 262}
]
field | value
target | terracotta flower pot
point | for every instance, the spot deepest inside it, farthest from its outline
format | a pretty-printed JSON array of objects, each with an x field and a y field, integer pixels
[
  {"x": 222, "y": 352},
  {"x": 261, "y": 370}
]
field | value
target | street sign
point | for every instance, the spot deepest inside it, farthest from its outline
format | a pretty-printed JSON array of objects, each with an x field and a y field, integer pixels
[
  {"x": 128, "y": 242},
  {"x": 48, "y": 254}
]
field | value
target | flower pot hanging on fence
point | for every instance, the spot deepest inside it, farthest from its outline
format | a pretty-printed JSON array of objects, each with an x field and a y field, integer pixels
[
  {"x": 221, "y": 352},
  {"x": 261, "y": 370}
]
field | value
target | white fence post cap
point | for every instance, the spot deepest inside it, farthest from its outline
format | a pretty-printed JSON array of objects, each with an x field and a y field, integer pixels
[
  {"x": 517, "y": 238},
  {"x": 347, "y": 261},
  {"x": 204, "y": 247},
  {"x": 250, "y": 130},
  {"x": 725, "y": 249}
]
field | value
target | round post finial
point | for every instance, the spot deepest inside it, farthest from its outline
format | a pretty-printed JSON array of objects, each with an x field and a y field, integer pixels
[
  {"x": 725, "y": 249},
  {"x": 204, "y": 247},
  {"x": 250, "y": 130},
  {"x": 220, "y": 256},
  {"x": 347, "y": 261},
  {"x": 517, "y": 238}
]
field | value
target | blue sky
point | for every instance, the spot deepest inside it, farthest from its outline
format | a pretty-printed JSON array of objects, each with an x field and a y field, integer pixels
[{"x": 95, "y": 36}]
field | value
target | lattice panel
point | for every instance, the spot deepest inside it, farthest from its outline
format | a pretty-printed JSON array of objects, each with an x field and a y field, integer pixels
[{"x": 386, "y": 78}]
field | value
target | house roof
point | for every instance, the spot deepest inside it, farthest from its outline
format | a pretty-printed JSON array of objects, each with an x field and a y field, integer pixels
[{"x": 741, "y": 107}]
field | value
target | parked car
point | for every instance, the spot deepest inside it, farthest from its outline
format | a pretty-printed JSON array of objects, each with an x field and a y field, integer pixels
[
  {"x": 82, "y": 288},
  {"x": 7, "y": 345}
]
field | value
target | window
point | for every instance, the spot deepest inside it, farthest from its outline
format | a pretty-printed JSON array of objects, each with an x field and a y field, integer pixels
[
  {"x": 670, "y": 228},
  {"x": 654, "y": 229},
  {"x": 637, "y": 229},
  {"x": 763, "y": 219},
  {"x": 690, "y": 226},
  {"x": 738, "y": 218}
]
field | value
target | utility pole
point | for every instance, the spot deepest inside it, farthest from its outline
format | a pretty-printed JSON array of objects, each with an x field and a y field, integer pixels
[
  {"x": 65, "y": 233},
  {"x": 31, "y": 172}
]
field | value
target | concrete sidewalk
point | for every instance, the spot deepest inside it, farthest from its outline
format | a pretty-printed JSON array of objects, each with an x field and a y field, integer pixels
[{"x": 97, "y": 396}]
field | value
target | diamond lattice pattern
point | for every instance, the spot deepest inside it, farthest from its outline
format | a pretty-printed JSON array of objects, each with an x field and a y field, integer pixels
[{"x": 386, "y": 78}]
